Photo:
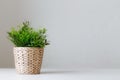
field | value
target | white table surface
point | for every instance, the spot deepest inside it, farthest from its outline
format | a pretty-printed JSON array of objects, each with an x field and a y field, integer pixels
[{"x": 50, "y": 74}]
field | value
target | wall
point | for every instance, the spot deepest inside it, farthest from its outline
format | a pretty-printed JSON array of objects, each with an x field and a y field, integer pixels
[
  {"x": 7, "y": 19},
  {"x": 82, "y": 33}
]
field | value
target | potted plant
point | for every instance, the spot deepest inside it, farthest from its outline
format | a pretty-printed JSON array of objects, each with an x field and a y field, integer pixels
[{"x": 29, "y": 48}]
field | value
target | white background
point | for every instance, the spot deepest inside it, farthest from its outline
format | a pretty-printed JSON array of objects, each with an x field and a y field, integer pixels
[{"x": 82, "y": 33}]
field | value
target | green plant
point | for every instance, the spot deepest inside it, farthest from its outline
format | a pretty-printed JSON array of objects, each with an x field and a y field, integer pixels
[{"x": 26, "y": 36}]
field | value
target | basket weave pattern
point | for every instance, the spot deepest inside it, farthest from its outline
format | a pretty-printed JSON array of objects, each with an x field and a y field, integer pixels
[{"x": 28, "y": 60}]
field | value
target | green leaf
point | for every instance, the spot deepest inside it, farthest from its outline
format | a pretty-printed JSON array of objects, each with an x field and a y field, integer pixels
[{"x": 26, "y": 36}]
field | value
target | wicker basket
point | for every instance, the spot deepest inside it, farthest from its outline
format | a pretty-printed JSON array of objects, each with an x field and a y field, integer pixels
[{"x": 28, "y": 60}]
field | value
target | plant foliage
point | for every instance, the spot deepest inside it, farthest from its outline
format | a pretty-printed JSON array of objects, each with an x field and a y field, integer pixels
[{"x": 26, "y": 36}]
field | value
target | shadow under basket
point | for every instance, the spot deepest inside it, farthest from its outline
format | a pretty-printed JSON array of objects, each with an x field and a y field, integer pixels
[{"x": 28, "y": 60}]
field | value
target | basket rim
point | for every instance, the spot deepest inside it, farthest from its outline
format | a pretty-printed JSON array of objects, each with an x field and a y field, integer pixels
[{"x": 29, "y": 47}]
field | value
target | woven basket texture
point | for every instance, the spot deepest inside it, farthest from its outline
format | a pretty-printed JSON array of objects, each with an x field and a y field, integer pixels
[{"x": 28, "y": 60}]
